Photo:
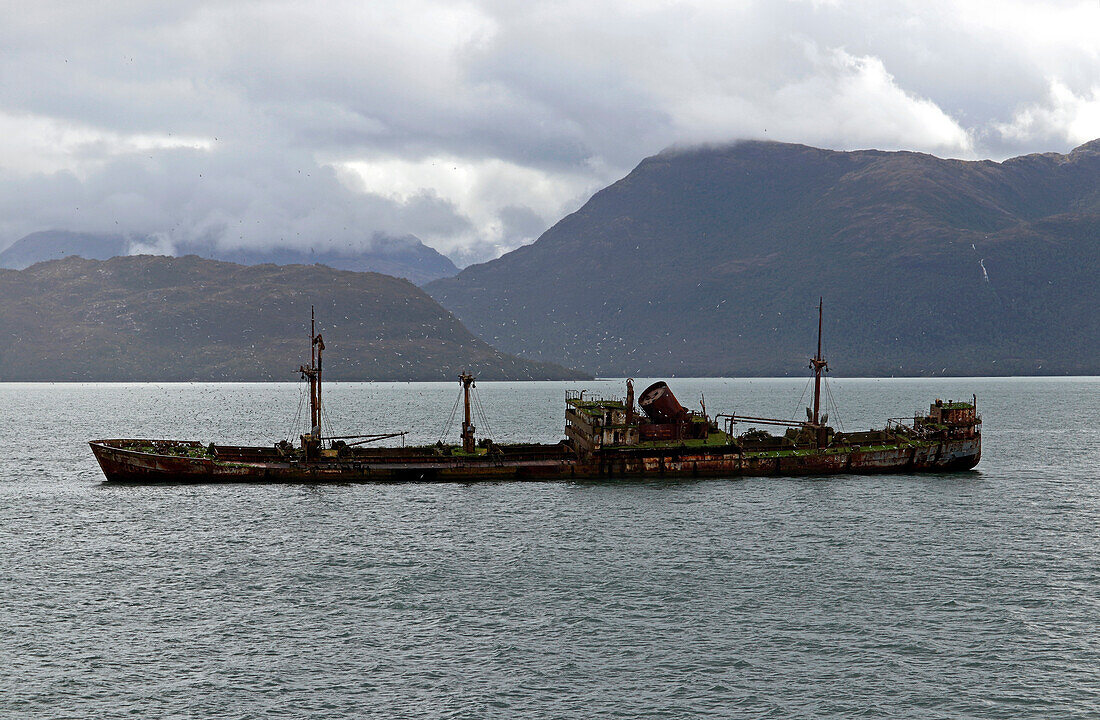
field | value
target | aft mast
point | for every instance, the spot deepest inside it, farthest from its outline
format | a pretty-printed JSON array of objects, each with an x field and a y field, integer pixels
[
  {"x": 467, "y": 381},
  {"x": 817, "y": 362},
  {"x": 317, "y": 346},
  {"x": 311, "y": 442}
]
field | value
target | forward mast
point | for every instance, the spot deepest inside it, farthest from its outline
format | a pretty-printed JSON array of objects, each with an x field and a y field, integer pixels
[
  {"x": 311, "y": 441},
  {"x": 818, "y": 364},
  {"x": 466, "y": 380}
]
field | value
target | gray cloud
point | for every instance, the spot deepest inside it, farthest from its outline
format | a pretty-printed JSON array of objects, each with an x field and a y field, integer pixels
[
  {"x": 231, "y": 198},
  {"x": 476, "y": 125}
]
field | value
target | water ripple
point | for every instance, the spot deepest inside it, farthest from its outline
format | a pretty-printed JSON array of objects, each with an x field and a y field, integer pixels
[{"x": 972, "y": 595}]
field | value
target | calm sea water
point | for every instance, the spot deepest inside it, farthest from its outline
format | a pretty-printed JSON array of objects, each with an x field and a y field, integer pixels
[{"x": 969, "y": 595}]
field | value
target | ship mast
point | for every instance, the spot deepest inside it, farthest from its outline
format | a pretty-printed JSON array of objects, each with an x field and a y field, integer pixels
[
  {"x": 818, "y": 364},
  {"x": 313, "y": 374},
  {"x": 318, "y": 345},
  {"x": 467, "y": 381}
]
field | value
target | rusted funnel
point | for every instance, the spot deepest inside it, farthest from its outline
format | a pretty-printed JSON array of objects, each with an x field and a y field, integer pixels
[{"x": 660, "y": 405}]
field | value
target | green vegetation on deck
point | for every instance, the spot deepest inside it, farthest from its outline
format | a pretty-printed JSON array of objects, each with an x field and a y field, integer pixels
[
  {"x": 188, "y": 451},
  {"x": 833, "y": 450},
  {"x": 596, "y": 408},
  {"x": 721, "y": 439},
  {"x": 715, "y": 439}
]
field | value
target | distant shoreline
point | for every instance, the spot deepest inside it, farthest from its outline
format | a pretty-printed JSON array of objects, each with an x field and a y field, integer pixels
[{"x": 639, "y": 378}]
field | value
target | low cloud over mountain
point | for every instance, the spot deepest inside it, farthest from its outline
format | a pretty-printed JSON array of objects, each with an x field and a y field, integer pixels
[{"x": 404, "y": 257}]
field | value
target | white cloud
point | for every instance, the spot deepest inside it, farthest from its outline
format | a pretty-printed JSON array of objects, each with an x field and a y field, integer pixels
[
  {"x": 1065, "y": 116},
  {"x": 475, "y": 124},
  {"x": 842, "y": 102},
  {"x": 37, "y": 144},
  {"x": 159, "y": 243},
  {"x": 480, "y": 190}
]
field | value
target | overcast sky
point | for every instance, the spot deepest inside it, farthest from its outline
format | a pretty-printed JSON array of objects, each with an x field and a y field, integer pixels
[{"x": 477, "y": 125}]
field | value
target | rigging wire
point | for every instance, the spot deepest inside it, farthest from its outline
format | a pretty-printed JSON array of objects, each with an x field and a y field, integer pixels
[
  {"x": 476, "y": 416},
  {"x": 830, "y": 399},
  {"x": 799, "y": 406},
  {"x": 830, "y": 402},
  {"x": 296, "y": 423},
  {"x": 326, "y": 423},
  {"x": 450, "y": 418},
  {"x": 483, "y": 418}
]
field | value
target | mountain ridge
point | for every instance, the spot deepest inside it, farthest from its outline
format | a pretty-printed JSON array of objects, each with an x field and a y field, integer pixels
[
  {"x": 709, "y": 261},
  {"x": 404, "y": 256},
  {"x": 155, "y": 318}
]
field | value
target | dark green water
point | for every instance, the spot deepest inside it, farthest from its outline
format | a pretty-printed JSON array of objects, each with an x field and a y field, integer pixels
[{"x": 970, "y": 595}]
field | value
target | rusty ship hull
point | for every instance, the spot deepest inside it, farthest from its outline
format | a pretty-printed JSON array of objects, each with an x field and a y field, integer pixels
[
  {"x": 145, "y": 461},
  {"x": 604, "y": 438}
]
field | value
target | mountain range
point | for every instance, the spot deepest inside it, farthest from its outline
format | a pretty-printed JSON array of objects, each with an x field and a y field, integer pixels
[
  {"x": 405, "y": 256},
  {"x": 711, "y": 261},
  {"x": 154, "y": 318}
]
